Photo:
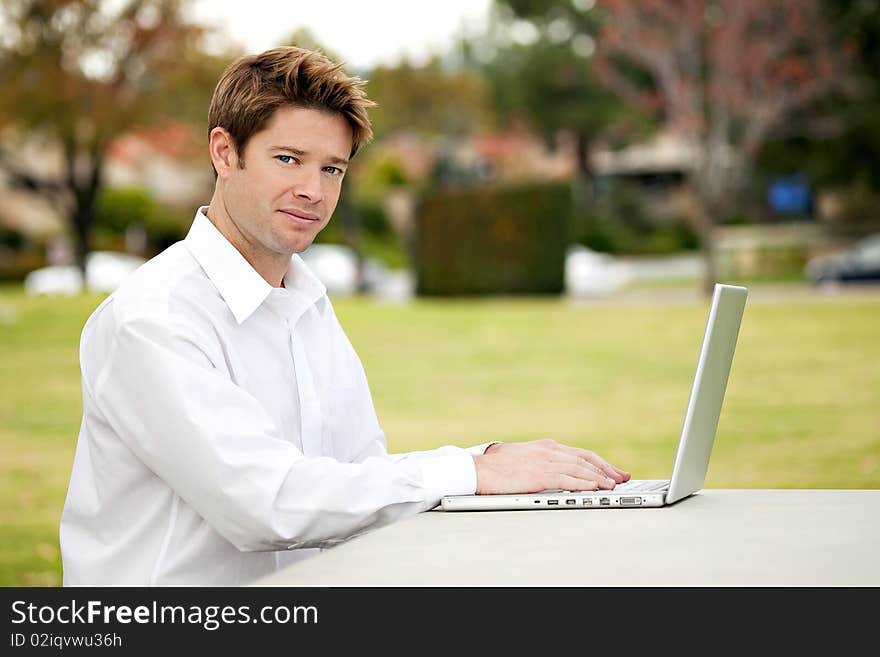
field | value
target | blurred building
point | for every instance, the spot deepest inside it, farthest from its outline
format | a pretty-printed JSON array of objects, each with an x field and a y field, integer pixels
[
  {"x": 510, "y": 155},
  {"x": 22, "y": 210},
  {"x": 169, "y": 162}
]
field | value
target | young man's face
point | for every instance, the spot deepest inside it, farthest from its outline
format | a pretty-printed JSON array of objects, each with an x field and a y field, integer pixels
[{"x": 289, "y": 179}]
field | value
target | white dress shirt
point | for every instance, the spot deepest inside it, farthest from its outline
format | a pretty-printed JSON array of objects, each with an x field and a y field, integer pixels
[{"x": 228, "y": 428}]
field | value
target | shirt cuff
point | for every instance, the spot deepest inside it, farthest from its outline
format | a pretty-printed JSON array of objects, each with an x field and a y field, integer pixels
[
  {"x": 451, "y": 474},
  {"x": 481, "y": 449}
]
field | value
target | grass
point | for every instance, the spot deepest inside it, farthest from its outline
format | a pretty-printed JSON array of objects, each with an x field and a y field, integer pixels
[{"x": 802, "y": 409}]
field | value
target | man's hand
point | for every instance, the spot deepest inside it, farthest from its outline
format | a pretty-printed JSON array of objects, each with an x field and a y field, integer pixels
[{"x": 537, "y": 465}]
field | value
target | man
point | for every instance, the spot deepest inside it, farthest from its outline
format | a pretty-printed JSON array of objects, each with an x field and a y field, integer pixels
[{"x": 228, "y": 429}]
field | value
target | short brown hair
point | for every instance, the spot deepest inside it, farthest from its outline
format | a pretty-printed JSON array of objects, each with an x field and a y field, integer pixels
[{"x": 253, "y": 87}]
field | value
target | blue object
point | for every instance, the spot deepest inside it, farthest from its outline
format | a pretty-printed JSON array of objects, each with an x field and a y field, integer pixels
[{"x": 790, "y": 195}]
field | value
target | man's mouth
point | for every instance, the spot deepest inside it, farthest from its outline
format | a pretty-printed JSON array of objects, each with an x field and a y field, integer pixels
[{"x": 299, "y": 215}]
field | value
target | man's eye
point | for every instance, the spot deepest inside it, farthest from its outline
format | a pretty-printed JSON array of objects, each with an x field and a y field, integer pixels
[
  {"x": 336, "y": 171},
  {"x": 286, "y": 159}
]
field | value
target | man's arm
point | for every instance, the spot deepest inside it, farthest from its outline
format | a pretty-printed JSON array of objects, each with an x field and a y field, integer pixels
[{"x": 213, "y": 443}]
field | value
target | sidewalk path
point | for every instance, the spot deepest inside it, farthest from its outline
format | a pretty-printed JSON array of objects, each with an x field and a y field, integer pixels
[{"x": 758, "y": 293}]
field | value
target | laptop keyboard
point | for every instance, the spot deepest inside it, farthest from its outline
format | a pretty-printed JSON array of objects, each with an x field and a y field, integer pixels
[{"x": 642, "y": 486}]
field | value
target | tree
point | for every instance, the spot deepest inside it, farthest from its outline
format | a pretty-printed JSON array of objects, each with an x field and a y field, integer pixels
[
  {"x": 429, "y": 99},
  {"x": 728, "y": 73},
  {"x": 544, "y": 75},
  {"x": 842, "y": 153},
  {"x": 78, "y": 73},
  {"x": 427, "y": 103}
]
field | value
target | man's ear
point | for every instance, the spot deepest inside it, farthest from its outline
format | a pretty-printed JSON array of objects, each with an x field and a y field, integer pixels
[{"x": 223, "y": 154}]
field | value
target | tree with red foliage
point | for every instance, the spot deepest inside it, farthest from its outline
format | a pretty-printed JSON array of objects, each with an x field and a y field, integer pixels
[
  {"x": 726, "y": 74},
  {"x": 76, "y": 74}
]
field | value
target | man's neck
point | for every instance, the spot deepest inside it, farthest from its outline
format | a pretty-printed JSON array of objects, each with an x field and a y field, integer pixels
[{"x": 271, "y": 269}]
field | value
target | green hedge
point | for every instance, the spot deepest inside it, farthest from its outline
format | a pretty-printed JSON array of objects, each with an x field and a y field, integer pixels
[
  {"x": 493, "y": 240},
  {"x": 623, "y": 220},
  {"x": 118, "y": 208}
]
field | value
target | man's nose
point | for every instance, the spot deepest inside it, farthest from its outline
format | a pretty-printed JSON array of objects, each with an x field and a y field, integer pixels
[{"x": 308, "y": 186}]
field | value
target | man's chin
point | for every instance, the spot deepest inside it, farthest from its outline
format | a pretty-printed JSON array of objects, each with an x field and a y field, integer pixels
[
  {"x": 296, "y": 243},
  {"x": 302, "y": 246},
  {"x": 299, "y": 247}
]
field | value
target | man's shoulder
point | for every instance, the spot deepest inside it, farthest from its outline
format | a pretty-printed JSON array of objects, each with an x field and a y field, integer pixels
[
  {"x": 167, "y": 301},
  {"x": 165, "y": 288}
]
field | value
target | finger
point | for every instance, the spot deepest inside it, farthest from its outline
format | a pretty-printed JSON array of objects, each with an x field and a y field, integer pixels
[
  {"x": 567, "y": 482},
  {"x": 569, "y": 458},
  {"x": 598, "y": 473},
  {"x": 556, "y": 450},
  {"x": 623, "y": 473},
  {"x": 574, "y": 459},
  {"x": 609, "y": 470},
  {"x": 584, "y": 473}
]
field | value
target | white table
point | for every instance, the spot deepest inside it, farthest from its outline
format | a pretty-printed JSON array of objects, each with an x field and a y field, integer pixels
[{"x": 714, "y": 538}]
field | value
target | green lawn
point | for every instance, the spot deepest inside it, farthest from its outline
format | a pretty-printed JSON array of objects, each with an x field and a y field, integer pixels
[{"x": 802, "y": 408}]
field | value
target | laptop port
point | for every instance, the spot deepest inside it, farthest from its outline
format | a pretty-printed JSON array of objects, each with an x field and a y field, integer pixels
[
  {"x": 571, "y": 501},
  {"x": 631, "y": 501},
  {"x": 588, "y": 502},
  {"x": 604, "y": 501},
  {"x": 553, "y": 502}
]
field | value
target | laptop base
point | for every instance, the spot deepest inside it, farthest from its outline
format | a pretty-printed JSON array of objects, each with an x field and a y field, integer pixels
[{"x": 555, "y": 500}]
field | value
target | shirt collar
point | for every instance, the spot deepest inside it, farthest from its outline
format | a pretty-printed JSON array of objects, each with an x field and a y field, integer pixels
[{"x": 243, "y": 289}]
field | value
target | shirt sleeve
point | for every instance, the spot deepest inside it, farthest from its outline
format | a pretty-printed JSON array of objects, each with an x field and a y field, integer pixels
[
  {"x": 447, "y": 470},
  {"x": 453, "y": 480},
  {"x": 213, "y": 443}
]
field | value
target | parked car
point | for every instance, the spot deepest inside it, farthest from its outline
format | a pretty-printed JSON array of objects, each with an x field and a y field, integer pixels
[
  {"x": 56, "y": 279},
  {"x": 858, "y": 263},
  {"x": 335, "y": 266},
  {"x": 591, "y": 273},
  {"x": 105, "y": 270}
]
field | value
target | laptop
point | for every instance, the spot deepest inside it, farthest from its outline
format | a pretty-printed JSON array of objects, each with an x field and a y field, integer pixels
[{"x": 694, "y": 447}]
